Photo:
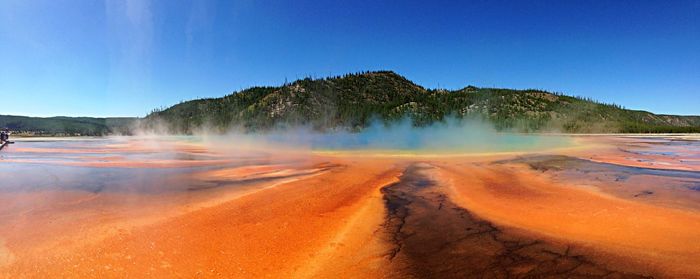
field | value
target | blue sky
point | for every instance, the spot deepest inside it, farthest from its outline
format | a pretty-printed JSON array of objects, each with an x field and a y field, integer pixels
[{"x": 125, "y": 58}]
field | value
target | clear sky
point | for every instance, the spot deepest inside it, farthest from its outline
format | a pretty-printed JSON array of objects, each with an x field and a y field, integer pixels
[{"x": 125, "y": 58}]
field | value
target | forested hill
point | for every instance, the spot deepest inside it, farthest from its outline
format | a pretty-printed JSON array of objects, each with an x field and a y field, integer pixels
[
  {"x": 66, "y": 126},
  {"x": 352, "y": 101}
]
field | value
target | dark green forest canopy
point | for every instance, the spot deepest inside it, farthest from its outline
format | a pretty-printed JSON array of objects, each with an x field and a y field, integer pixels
[
  {"x": 353, "y": 101},
  {"x": 67, "y": 126}
]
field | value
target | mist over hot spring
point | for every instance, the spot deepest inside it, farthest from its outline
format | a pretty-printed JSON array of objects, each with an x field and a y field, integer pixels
[{"x": 448, "y": 136}]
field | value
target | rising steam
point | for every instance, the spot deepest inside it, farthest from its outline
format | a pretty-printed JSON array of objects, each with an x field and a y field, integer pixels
[{"x": 450, "y": 135}]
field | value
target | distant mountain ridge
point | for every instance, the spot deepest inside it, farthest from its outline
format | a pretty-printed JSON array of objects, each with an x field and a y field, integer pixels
[
  {"x": 352, "y": 101},
  {"x": 67, "y": 126}
]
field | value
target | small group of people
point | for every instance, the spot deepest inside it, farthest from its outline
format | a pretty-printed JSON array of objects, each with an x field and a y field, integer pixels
[{"x": 4, "y": 136}]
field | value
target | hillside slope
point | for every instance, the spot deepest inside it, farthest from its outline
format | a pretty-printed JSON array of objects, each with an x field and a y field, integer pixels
[{"x": 352, "y": 101}]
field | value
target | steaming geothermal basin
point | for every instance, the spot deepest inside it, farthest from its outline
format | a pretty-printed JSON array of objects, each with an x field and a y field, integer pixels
[{"x": 536, "y": 207}]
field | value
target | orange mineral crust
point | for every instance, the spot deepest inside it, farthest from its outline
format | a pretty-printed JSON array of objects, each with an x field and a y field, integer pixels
[
  {"x": 114, "y": 162},
  {"x": 650, "y": 238},
  {"x": 175, "y": 207},
  {"x": 649, "y": 161},
  {"x": 658, "y": 152},
  {"x": 287, "y": 230}
]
